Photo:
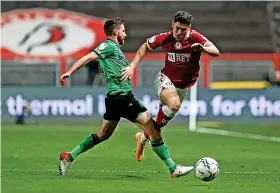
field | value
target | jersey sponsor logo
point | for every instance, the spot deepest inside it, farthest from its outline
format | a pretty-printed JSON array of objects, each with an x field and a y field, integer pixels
[
  {"x": 178, "y": 57},
  {"x": 171, "y": 57},
  {"x": 45, "y": 32}
]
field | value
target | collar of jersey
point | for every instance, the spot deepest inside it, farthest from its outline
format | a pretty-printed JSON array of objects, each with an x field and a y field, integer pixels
[{"x": 113, "y": 42}]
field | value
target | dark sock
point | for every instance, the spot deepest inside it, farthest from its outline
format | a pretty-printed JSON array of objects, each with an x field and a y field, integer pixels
[
  {"x": 88, "y": 143},
  {"x": 161, "y": 150}
]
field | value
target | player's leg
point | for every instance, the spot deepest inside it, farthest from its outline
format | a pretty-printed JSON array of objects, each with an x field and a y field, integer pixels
[
  {"x": 171, "y": 99},
  {"x": 172, "y": 104},
  {"x": 137, "y": 113},
  {"x": 159, "y": 147},
  {"x": 146, "y": 122},
  {"x": 141, "y": 139},
  {"x": 106, "y": 130},
  {"x": 108, "y": 126},
  {"x": 104, "y": 133}
]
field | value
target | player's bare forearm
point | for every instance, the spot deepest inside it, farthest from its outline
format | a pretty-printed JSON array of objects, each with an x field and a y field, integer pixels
[
  {"x": 141, "y": 52},
  {"x": 210, "y": 49},
  {"x": 77, "y": 65},
  {"x": 128, "y": 72},
  {"x": 82, "y": 61}
]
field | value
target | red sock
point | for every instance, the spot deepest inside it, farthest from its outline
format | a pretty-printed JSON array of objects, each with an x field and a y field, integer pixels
[
  {"x": 160, "y": 116},
  {"x": 162, "y": 119},
  {"x": 146, "y": 135}
]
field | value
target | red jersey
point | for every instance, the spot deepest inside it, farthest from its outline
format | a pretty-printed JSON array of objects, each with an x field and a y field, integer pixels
[{"x": 181, "y": 63}]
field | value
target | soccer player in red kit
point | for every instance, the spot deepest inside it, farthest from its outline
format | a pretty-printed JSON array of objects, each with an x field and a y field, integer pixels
[{"x": 183, "y": 46}]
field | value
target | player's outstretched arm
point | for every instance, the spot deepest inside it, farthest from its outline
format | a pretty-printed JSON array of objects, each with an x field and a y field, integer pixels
[
  {"x": 129, "y": 71},
  {"x": 141, "y": 52},
  {"x": 77, "y": 65},
  {"x": 209, "y": 48}
]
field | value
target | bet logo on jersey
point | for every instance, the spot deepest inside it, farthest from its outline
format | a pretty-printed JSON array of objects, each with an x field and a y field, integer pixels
[{"x": 46, "y": 32}]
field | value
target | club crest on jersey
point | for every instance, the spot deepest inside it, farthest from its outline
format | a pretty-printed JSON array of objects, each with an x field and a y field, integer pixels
[
  {"x": 178, "y": 45},
  {"x": 46, "y": 32}
]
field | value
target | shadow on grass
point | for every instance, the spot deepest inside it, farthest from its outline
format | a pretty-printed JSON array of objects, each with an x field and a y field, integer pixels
[{"x": 108, "y": 176}]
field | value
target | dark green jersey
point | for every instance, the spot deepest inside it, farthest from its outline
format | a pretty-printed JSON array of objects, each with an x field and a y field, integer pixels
[{"x": 112, "y": 60}]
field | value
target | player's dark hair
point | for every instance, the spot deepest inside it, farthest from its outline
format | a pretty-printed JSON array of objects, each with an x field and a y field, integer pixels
[
  {"x": 183, "y": 17},
  {"x": 111, "y": 24}
]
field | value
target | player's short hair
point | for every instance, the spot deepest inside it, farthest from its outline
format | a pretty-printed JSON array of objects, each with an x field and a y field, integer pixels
[
  {"x": 183, "y": 17},
  {"x": 111, "y": 24}
]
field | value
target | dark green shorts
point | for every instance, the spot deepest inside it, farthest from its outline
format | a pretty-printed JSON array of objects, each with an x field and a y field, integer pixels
[{"x": 126, "y": 106}]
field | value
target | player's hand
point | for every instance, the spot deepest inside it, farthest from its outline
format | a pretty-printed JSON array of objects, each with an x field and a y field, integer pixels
[
  {"x": 63, "y": 78},
  {"x": 197, "y": 47},
  {"x": 127, "y": 73}
]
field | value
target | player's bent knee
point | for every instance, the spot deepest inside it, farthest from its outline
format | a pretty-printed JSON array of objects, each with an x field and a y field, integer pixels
[
  {"x": 174, "y": 108},
  {"x": 174, "y": 105}
]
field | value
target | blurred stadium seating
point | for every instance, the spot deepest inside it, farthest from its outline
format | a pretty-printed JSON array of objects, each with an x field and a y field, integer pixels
[
  {"x": 274, "y": 20},
  {"x": 235, "y": 27},
  {"x": 225, "y": 23}
]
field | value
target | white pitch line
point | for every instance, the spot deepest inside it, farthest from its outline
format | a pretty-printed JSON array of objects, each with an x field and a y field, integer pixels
[
  {"x": 123, "y": 171},
  {"x": 237, "y": 134}
]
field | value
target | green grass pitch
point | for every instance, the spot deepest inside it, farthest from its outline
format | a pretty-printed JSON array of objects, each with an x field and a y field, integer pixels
[{"x": 30, "y": 157}]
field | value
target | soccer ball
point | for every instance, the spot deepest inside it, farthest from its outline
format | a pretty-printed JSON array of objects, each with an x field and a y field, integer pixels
[{"x": 207, "y": 169}]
